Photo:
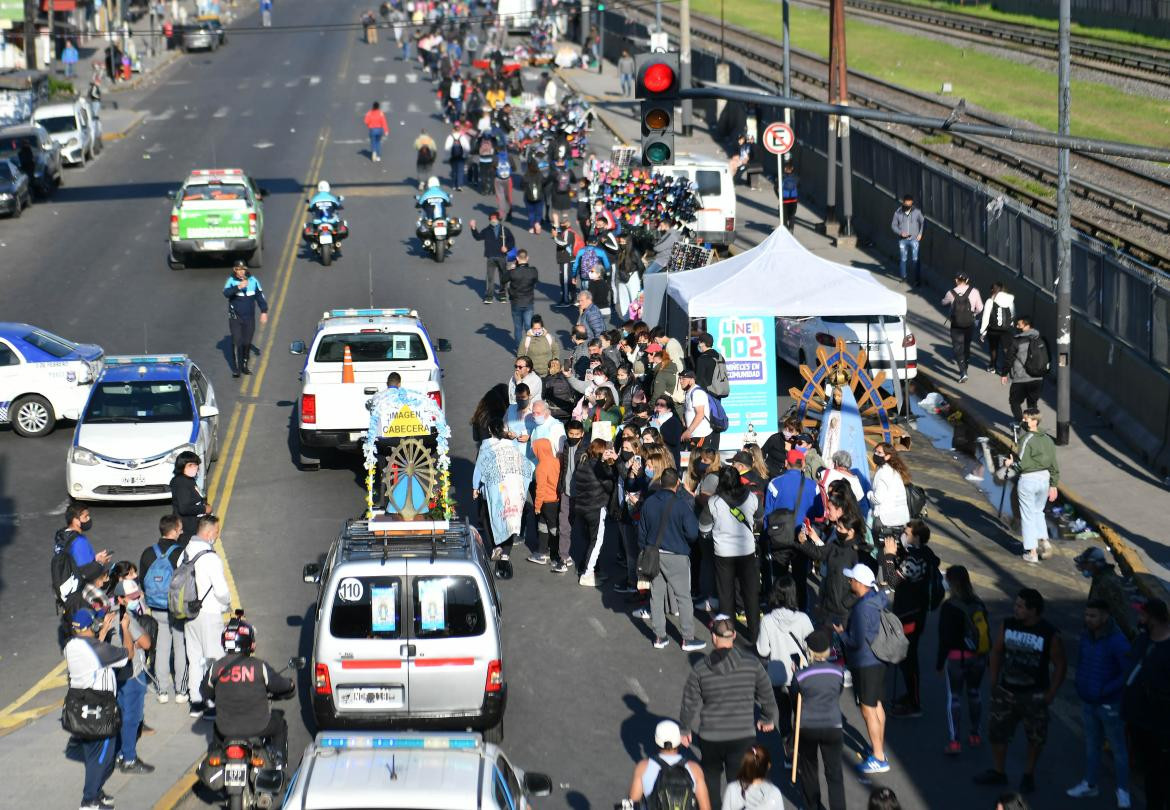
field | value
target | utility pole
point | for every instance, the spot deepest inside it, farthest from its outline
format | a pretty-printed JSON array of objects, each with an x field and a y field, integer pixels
[
  {"x": 600, "y": 36},
  {"x": 787, "y": 156},
  {"x": 30, "y": 34},
  {"x": 839, "y": 125},
  {"x": 722, "y": 31},
  {"x": 52, "y": 54},
  {"x": 1063, "y": 240},
  {"x": 684, "y": 62},
  {"x": 583, "y": 17},
  {"x": 657, "y": 15}
]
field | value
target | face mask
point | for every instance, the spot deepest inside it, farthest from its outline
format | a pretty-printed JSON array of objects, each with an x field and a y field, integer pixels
[
  {"x": 878, "y": 460},
  {"x": 788, "y": 434},
  {"x": 649, "y": 471},
  {"x": 598, "y": 380},
  {"x": 536, "y": 330},
  {"x": 627, "y": 455},
  {"x": 905, "y": 541},
  {"x": 135, "y": 606},
  {"x": 701, "y": 466},
  {"x": 521, "y": 404},
  {"x": 540, "y": 420},
  {"x": 85, "y": 527},
  {"x": 907, "y": 208},
  {"x": 574, "y": 441}
]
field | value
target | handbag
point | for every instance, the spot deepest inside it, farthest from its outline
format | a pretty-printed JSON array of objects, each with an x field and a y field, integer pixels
[
  {"x": 649, "y": 559},
  {"x": 91, "y": 714}
]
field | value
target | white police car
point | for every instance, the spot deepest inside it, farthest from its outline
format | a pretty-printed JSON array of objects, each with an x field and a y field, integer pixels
[
  {"x": 408, "y": 770},
  {"x": 43, "y": 377},
  {"x": 143, "y": 411}
]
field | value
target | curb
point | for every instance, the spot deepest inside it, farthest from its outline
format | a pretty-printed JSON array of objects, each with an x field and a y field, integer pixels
[
  {"x": 179, "y": 790},
  {"x": 141, "y": 78},
  {"x": 117, "y": 136},
  {"x": 1128, "y": 559}
]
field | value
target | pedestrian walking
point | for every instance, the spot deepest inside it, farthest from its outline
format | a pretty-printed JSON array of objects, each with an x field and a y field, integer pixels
[
  {"x": 789, "y": 194},
  {"x": 1038, "y": 474},
  {"x": 594, "y": 481},
  {"x": 457, "y": 146},
  {"x": 868, "y": 671},
  {"x": 667, "y": 522},
  {"x": 156, "y": 566},
  {"x": 781, "y": 644},
  {"x": 964, "y": 642},
  {"x": 538, "y": 345},
  {"x": 370, "y": 26},
  {"x": 520, "y": 283},
  {"x": 699, "y": 432},
  {"x": 533, "y": 181},
  {"x": 1102, "y": 665},
  {"x": 202, "y": 631},
  {"x": 833, "y": 555},
  {"x": 69, "y": 57},
  {"x": 91, "y": 662},
  {"x": 1107, "y": 586},
  {"x": 626, "y": 70},
  {"x": 75, "y": 563},
  {"x": 546, "y": 499},
  {"x": 752, "y": 789},
  {"x": 818, "y": 686},
  {"x": 719, "y": 706},
  {"x": 788, "y": 506},
  {"x": 377, "y": 128},
  {"x": 129, "y": 634},
  {"x": 910, "y": 567},
  {"x": 1028, "y": 666},
  {"x": 568, "y": 457},
  {"x": 244, "y": 295},
  {"x": 729, "y": 517},
  {"x": 266, "y": 13},
  {"x": 1027, "y": 363},
  {"x": 908, "y": 224},
  {"x": 663, "y": 775},
  {"x": 1144, "y": 705},
  {"x": 187, "y": 500},
  {"x": 497, "y": 241},
  {"x": 425, "y": 151},
  {"x": 996, "y": 327},
  {"x": 966, "y": 306}
]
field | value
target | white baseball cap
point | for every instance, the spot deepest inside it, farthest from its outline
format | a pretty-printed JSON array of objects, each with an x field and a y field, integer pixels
[
  {"x": 862, "y": 573},
  {"x": 667, "y": 734}
]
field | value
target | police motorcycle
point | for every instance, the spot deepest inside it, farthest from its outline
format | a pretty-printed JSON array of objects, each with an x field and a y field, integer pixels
[
  {"x": 436, "y": 228},
  {"x": 325, "y": 230},
  {"x": 249, "y": 771}
]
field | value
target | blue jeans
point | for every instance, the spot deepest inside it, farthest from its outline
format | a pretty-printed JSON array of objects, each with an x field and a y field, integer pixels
[
  {"x": 131, "y": 700},
  {"x": 406, "y": 47},
  {"x": 457, "y": 173},
  {"x": 376, "y": 142},
  {"x": 627, "y": 84},
  {"x": 908, "y": 246},
  {"x": 535, "y": 213},
  {"x": 1098, "y": 718},
  {"x": 521, "y": 321}
]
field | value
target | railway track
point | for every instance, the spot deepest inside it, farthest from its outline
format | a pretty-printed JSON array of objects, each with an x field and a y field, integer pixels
[{"x": 1134, "y": 222}]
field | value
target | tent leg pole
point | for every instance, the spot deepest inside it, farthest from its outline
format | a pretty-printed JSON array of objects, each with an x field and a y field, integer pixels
[{"x": 893, "y": 361}]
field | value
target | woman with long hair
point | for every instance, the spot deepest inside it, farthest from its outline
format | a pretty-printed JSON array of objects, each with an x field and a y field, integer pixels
[
  {"x": 603, "y": 408},
  {"x": 662, "y": 374},
  {"x": 594, "y": 479},
  {"x": 752, "y": 790},
  {"x": 781, "y": 643},
  {"x": 187, "y": 499},
  {"x": 888, "y": 495},
  {"x": 964, "y": 641},
  {"x": 729, "y": 517},
  {"x": 759, "y": 465}
]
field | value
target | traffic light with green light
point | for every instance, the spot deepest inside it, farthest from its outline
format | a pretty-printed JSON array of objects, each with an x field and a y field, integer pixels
[{"x": 656, "y": 83}]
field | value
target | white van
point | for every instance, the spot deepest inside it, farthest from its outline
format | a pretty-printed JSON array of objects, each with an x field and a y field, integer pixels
[
  {"x": 715, "y": 222},
  {"x": 518, "y": 15},
  {"x": 73, "y": 125}
]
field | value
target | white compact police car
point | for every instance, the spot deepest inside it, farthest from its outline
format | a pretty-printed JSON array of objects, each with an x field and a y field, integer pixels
[
  {"x": 43, "y": 377},
  {"x": 143, "y": 411},
  {"x": 406, "y": 770}
]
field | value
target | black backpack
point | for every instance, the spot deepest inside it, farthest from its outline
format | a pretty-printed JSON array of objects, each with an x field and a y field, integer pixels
[
  {"x": 1001, "y": 318},
  {"x": 673, "y": 789},
  {"x": 564, "y": 181},
  {"x": 962, "y": 314},
  {"x": 63, "y": 571},
  {"x": 456, "y": 149},
  {"x": 935, "y": 588},
  {"x": 782, "y": 524},
  {"x": 1037, "y": 361}
]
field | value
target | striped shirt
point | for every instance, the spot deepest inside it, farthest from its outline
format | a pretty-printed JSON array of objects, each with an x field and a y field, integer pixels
[{"x": 720, "y": 697}]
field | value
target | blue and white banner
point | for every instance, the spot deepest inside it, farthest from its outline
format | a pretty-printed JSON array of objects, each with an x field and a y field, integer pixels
[{"x": 747, "y": 343}]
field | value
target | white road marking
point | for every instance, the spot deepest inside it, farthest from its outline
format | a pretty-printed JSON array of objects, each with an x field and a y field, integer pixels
[
  {"x": 264, "y": 145},
  {"x": 154, "y": 147},
  {"x": 246, "y": 114},
  {"x": 15, "y": 519},
  {"x": 598, "y": 626},
  {"x": 191, "y": 115},
  {"x": 220, "y": 113},
  {"x": 266, "y": 83},
  {"x": 242, "y": 86},
  {"x": 412, "y": 108},
  {"x": 364, "y": 78},
  {"x": 411, "y": 78},
  {"x": 638, "y": 690},
  {"x": 162, "y": 116},
  {"x": 314, "y": 80},
  {"x": 391, "y": 78},
  {"x": 379, "y": 58},
  {"x": 350, "y": 141}
]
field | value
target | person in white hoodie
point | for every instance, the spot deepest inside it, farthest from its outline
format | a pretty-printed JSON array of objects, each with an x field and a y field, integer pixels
[
  {"x": 996, "y": 326},
  {"x": 203, "y": 632},
  {"x": 752, "y": 790},
  {"x": 781, "y": 642}
]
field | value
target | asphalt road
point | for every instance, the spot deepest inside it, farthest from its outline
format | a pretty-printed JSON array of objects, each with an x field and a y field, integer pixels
[{"x": 585, "y": 685}]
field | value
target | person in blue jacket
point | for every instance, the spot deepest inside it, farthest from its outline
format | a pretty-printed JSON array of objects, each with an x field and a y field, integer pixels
[
  {"x": 433, "y": 201},
  {"x": 324, "y": 204},
  {"x": 868, "y": 671},
  {"x": 782, "y": 493},
  {"x": 244, "y": 296},
  {"x": 1101, "y": 674}
]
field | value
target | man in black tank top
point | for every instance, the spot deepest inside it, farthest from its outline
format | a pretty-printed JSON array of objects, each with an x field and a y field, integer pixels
[{"x": 1028, "y": 665}]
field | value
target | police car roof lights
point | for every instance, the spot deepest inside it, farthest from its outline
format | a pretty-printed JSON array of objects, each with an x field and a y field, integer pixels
[
  {"x": 429, "y": 742},
  {"x": 396, "y": 312},
  {"x": 217, "y": 173},
  {"x": 145, "y": 359}
]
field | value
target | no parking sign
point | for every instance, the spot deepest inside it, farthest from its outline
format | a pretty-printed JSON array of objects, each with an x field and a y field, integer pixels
[{"x": 778, "y": 138}]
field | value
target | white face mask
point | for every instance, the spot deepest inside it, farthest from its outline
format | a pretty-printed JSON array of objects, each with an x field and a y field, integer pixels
[
  {"x": 135, "y": 606},
  {"x": 598, "y": 380}
]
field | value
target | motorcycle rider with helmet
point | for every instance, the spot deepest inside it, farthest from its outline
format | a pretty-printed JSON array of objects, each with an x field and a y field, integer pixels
[
  {"x": 433, "y": 201},
  {"x": 240, "y": 685},
  {"x": 324, "y": 204}
]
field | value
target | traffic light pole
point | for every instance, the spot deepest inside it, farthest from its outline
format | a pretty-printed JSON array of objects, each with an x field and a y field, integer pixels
[
  {"x": 1063, "y": 241},
  {"x": 684, "y": 58},
  {"x": 787, "y": 156},
  {"x": 839, "y": 128}
]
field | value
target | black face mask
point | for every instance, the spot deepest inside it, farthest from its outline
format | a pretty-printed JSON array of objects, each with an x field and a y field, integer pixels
[
  {"x": 627, "y": 455},
  {"x": 521, "y": 404},
  {"x": 878, "y": 460},
  {"x": 573, "y": 442},
  {"x": 85, "y": 527}
]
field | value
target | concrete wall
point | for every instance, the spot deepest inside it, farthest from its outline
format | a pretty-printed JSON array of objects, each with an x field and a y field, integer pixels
[{"x": 1144, "y": 16}]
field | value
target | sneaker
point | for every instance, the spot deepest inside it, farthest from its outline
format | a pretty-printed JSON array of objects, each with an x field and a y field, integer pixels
[
  {"x": 487, "y": 300},
  {"x": 642, "y": 613},
  {"x": 1031, "y": 557},
  {"x": 848, "y": 681},
  {"x": 136, "y": 766},
  {"x": 505, "y": 556},
  {"x": 660, "y": 643},
  {"x": 559, "y": 567},
  {"x": 587, "y": 581},
  {"x": 974, "y": 741},
  {"x": 538, "y": 559},
  {"x": 196, "y": 709},
  {"x": 209, "y": 714},
  {"x": 1083, "y": 790},
  {"x": 163, "y": 697},
  {"x": 963, "y": 378},
  {"x": 991, "y": 777},
  {"x": 692, "y": 644},
  {"x": 624, "y": 587},
  {"x": 953, "y": 748},
  {"x": 105, "y": 801},
  {"x": 1027, "y": 783},
  {"x": 1123, "y": 799},
  {"x": 1045, "y": 549},
  {"x": 180, "y": 697},
  {"x": 874, "y": 765},
  {"x": 906, "y": 710},
  {"x": 91, "y": 806},
  {"x": 975, "y": 478}
]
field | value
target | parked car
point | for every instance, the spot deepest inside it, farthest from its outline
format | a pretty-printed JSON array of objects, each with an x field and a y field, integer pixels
[
  {"x": 216, "y": 25},
  {"x": 73, "y": 125},
  {"x": 31, "y": 148},
  {"x": 200, "y": 36},
  {"x": 797, "y": 340},
  {"x": 15, "y": 189}
]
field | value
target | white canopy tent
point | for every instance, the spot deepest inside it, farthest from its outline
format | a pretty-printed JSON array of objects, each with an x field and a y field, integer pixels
[{"x": 778, "y": 277}]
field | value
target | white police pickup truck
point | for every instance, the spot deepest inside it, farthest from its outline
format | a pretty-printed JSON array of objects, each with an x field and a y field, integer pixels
[{"x": 333, "y": 410}]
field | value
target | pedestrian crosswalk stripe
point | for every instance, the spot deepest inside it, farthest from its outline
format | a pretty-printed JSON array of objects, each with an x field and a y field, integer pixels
[
  {"x": 412, "y": 108},
  {"x": 411, "y": 78},
  {"x": 220, "y": 113},
  {"x": 314, "y": 80},
  {"x": 162, "y": 116},
  {"x": 391, "y": 78},
  {"x": 266, "y": 83},
  {"x": 364, "y": 78}
]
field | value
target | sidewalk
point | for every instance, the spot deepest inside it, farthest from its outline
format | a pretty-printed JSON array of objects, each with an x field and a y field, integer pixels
[
  {"x": 1098, "y": 475},
  {"x": 91, "y": 48}
]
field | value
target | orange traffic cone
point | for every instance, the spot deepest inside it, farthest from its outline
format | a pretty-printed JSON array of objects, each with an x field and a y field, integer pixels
[{"x": 347, "y": 366}]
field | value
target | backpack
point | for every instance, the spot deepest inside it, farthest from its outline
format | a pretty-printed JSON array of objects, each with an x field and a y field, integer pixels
[
  {"x": 935, "y": 587},
  {"x": 63, "y": 571},
  {"x": 673, "y": 789},
  {"x": 532, "y": 192},
  {"x": 1001, "y": 318},
  {"x": 425, "y": 155},
  {"x": 890, "y": 644},
  {"x": 717, "y": 416},
  {"x": 720, "y": 386},
  {"x": 962, "y": 314},
  {"x": 156, "y": 582},
  {"x": 915, "y": 501},
  {"x": 487, "y": 147},
  {"x": 1036, "y": 362},
  {"x": 503, "y": 167},
  {"x": 457, "y": 149},
  {"x": 588, "y": 263},
  {"x": 782, "y": 524},
  {"x": 564, "y": 181},
  {"x": 977, "y": 635},
  {"x": 183, "y": 599},
  {"x": 149, "y": 625}
]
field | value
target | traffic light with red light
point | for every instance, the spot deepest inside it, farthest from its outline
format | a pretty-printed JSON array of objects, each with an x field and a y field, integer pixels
[{"x": 656, "y": 82}]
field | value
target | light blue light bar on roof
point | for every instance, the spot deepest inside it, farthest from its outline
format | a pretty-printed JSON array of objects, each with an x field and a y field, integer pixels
[
  {"x": 402, "y": 312},
  {"x": 415, "y": 743},
  {"x": 145, "y": 359}
]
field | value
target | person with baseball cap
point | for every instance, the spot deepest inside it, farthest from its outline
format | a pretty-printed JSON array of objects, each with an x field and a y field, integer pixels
[
  {"x": 130, "y": 634},
  {"x": 869, "y": 672},
  {"x": 1106, "y": 586},
  {"x": 90, "y": 662},
  {"x": 650, "y": 771},
  {"x": 819, "y": 686},
  {"x": 791, "y": 492}
]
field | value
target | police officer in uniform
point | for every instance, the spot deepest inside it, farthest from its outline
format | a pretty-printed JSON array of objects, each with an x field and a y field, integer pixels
[{"x": 244, "y": 295}]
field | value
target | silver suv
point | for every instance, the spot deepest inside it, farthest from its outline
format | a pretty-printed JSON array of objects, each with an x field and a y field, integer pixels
[
  {"x": 415, "y": 771},
  {"x": 408, "y": 630}
]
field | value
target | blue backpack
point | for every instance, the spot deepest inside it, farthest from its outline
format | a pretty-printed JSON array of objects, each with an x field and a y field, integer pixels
[
  {"x": 717, "y": 417},
  {"x": 157, "y": 582}
]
